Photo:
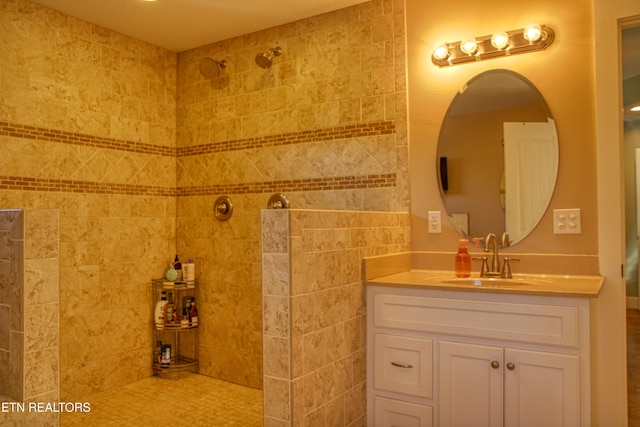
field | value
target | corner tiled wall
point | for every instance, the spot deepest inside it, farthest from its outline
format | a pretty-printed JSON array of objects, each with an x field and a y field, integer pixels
[
  {"x": 314, "y": 311},
  {"x": 30, "y": 280},
  {"x": 87, "y": 127},
  {"x": 325, "y": 125}
]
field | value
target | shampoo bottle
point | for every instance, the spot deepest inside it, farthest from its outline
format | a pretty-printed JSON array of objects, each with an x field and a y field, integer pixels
[
  {"x": 158, "y": 315},
  {"x": 463, "y": 260}
]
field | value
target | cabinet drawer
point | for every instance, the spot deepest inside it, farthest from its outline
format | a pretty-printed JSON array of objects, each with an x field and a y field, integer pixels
[
  {"x": 529, "y": 323},
  {"x": 403, "y": 365},
  {"x": 392, "y": 413}
]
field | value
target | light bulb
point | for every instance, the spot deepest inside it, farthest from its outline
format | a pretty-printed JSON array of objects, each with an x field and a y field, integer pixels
[
  {"x": 636, "y": 108},
  {"x": 532, "y": 32},
  {"x": 500, "y": 40},
  {"x": 469, "y": 46},
  {"x": 441, "y": 52}
]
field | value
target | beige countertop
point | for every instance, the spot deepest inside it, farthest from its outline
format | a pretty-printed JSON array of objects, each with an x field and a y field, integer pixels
[{"x": 520, "y": 284}]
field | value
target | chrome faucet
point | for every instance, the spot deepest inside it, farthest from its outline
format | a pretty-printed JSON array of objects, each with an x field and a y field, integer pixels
[{"x": 495, "y": 261}]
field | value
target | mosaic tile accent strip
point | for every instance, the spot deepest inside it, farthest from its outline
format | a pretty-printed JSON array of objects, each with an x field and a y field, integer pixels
[
  {"x": 53, "y": 135},
  {"x": 71, "y": 186},
  {"x": 342, "y": 132},
  {"x": 313, "y": 184}
]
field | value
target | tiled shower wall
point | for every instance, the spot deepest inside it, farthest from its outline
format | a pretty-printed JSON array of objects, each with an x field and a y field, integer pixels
[
  {"x": 29, "y": 292},
  {"x": 112, "y": 131},
  {"x": 325, "y": 125},
  {"x": 314, "y": 311},
  {"x": 87, "y": 127}
]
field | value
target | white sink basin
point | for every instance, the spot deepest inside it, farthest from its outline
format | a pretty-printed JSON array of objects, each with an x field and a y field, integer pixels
[
  {"x": 490, "y": 282},
  {"x": 487, "y": 281}
]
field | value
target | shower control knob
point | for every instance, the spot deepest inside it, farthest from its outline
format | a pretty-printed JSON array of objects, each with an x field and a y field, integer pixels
[{"x": 223, "y": 207}]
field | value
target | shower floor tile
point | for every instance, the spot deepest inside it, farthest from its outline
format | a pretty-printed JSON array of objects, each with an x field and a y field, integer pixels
[{"x": 193, "y": 400}]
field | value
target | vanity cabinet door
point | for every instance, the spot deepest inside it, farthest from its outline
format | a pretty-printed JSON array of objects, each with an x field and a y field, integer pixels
[
  {"x": 486, "y": 386},
  {"x": 471, "y": 385},
  {"x": 541, "y": 389}
]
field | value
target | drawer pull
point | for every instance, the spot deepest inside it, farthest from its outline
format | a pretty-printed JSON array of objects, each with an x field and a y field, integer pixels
[
  {"x": 495, "y": 364},
  {"x": 511, "y": 366},
  {"x": 402, "y": 365}
]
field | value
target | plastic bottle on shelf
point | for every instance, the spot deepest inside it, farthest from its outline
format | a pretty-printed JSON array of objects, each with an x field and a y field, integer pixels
[
  {"x": 158, "y": 315},
  {"x": 170, "y": 314},
  {"x": 193, "y": 313},
  {"x": 463, "y": 260},
  {"x": 189, "y": 271}
]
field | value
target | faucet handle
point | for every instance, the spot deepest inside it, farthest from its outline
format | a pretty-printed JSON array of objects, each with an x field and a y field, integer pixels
[
  {"x": 506, "y": 241},
  {"x": 506, "y": 267},
  {"x": 485, "y": 266}
]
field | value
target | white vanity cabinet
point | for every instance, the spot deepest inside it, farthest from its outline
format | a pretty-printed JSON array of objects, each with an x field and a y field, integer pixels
[{"x": 465, "y": 358}]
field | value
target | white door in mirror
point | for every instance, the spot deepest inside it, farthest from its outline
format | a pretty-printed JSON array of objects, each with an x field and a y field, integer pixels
[{"x": 567, "y": 221}]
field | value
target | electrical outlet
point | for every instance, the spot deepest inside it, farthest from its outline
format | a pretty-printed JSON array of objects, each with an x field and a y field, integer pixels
[
  {"x": 435, "y": 225},
  {"x": 567, "y": 221}
]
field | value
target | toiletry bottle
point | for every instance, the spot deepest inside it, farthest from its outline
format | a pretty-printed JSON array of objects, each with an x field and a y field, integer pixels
[
  {"x": 193, "y": 313},
  {"x": 177, "y": 265},
  {"x": 158, "y": 314},
  {"x": 189, "y": 271},
  {"x": 165, "y": 359},
  {"x": 463, "y": 260},
  {"x": 170, "y": 315},
  {"x": 157, "y": 352},
  {"x": 186, "y": 305}
]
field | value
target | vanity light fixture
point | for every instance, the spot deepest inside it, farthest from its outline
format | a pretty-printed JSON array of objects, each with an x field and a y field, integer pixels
[
  {"x": 635, "y": 109},
  {"x": 531, "y": 38}
]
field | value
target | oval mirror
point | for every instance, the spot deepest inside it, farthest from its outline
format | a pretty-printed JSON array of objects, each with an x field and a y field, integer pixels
[{"x": 497, "y": 156}]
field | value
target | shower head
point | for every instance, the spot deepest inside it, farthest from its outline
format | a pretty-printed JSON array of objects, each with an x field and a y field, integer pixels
[
  {"x": 210, "y": 68},
  {"x": 265, "y": 59}
]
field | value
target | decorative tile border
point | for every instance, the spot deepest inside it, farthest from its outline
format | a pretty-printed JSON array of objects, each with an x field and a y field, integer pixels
[
  {"x": 342, "y": 132},
  {"x": 312, "y": 184},
  {"x": 43, "y": 134},
  {"x": 53, "y": 135},
  {"x": 73, "y": 186}
]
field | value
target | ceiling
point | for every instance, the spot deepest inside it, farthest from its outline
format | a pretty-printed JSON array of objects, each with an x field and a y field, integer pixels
[{"x": 179, "y": 25}]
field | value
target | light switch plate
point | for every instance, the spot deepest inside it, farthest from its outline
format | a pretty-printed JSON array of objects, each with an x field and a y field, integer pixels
[{"x": 567, "y": 221}]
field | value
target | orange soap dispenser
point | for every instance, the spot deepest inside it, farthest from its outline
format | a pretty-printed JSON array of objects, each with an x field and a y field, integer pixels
[{"x": 463, "y": 260}]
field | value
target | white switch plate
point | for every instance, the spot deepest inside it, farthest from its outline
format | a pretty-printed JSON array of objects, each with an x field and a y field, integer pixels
[
  {"x": 567, "y": 221},
  {"x": 435, "y": 224}
]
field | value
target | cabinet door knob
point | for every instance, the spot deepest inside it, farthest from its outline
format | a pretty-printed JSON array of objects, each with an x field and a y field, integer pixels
[
  {"x": 511, "y": 366},
  {"x": 495, "y": 364},
  {"x": 402, "y": 365}
]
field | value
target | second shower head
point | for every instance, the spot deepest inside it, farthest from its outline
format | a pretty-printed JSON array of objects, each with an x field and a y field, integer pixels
[
  {"x": 265, "y": 59},
  {"x": 210, "y": 68}
]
